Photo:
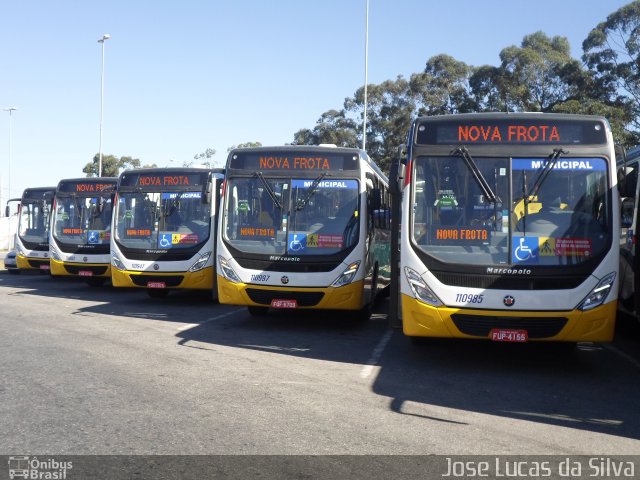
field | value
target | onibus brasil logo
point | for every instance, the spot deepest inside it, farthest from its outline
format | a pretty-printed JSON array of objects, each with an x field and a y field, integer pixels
[{"x": 22, "y": 466}]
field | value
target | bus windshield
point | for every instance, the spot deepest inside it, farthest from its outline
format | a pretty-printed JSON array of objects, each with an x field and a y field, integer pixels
[
  {"x": 82, "y": 220},
  {"x": 291, "y": 216},
  {"x": 34, "y": 220},
  {"x": 162, "y": 220},
  {"x": 559, "y": 219}
]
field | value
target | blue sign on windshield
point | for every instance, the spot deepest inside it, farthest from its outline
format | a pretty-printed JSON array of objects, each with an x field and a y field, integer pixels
[
  {"x": 172, "y": 195},
  {"x": 562, "y": 163},
  {"x": 325, "y": 184}
]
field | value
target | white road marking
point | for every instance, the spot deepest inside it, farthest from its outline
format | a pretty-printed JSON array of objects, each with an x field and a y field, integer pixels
[
  {"x": 367, "y": 369},
  {"x": 217, "y": 317}
]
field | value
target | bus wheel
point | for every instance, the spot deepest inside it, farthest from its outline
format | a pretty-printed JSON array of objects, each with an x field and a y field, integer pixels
[
  {"x": 258, "y": 311},
  {"x": 95, "y": 282},
  {"x": 157, "y": 292}
]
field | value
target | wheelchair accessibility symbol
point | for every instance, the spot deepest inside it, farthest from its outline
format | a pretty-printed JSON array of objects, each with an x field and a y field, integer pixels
[
  {"x": 165, "y": 240},
  {"x": 93, "y": 236},
  {"x": 524, "y": 250},
  {"x": 297, "y": 242}
]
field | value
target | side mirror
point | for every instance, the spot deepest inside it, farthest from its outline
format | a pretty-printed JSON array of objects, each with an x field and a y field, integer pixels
[
  {"x": 626, "y": 214},
  {"x": 6, "y": 211}
]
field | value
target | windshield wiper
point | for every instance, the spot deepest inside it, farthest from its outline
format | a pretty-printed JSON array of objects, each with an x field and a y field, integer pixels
[
  {"x": 312, "y": 189},
  {"x": 269, "y": 190},
  {"x": 542, "y": 176},
  {"x": 546, "y": 169},
  {"x": 174, "y": 204},
  {"x": 477, "y": 174}
]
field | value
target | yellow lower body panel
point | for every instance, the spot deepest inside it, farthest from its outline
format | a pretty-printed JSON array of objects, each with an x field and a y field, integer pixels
[
  {"x": 58, "y": 269},
  {"x": 348, "y": 297},
  {"x": 22, "y": 263},
  {"x": 422, "y": 320},
  {"x": 200, "y": 280}
]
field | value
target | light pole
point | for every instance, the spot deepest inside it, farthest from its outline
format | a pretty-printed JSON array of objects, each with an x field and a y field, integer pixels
[
  {"x": 10, "y": 110},
  {"x": 106, "y": 36},
  {"x": 366, "y": 68}
]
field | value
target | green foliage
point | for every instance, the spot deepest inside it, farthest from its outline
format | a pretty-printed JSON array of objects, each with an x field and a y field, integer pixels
[
  {"x": 244, "y": 145},
  {"x": 112, "y": 166},
  {"x": 540, "y": 75}
]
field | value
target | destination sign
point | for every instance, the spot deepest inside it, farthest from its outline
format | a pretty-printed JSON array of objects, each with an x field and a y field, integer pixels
[
  {"x": 151, "y": 181},
  {"x": 458, "y": 235},
  {"x": 300, "y": 161},
  {"x": 85, "y": 186},
  {"x": 563, "y": 163},
  {"x": 512, "y": 132}
]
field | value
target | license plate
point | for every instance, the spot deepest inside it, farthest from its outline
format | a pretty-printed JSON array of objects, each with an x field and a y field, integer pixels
[
  {"x": 280, "y": 303},
  {"x": 505, "y": 335},
  {"x": 85, "y": 273},
  {"x": 156, "y": 285},
  {"x": 44, "y": 267}
]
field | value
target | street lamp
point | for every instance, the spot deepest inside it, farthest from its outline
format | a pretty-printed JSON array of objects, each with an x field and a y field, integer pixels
[
  {"x": 10, "y": 110},
  {"x": 106, "y": 36},
  {"x": 366, "y": 68}
]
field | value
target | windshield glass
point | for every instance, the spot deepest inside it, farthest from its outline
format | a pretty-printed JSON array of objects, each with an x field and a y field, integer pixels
[
  {"x": 564, "y": 222},
  {"x": 312, "y": 216},
  {"x": 82, "y": 220},
  {"x": 34, "y": 221},
  {"x": 162, "y": 220}
]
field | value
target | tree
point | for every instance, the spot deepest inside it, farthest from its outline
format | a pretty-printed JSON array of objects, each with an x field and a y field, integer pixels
[
  {"x": 244, "y": 145},
  {"x": 203, "y": 158},
  {"x": 111, "y": 165},
  {"x": 612, "y": 53},
  {"x": 333, "y": 127},
  {"x": 535, "y": 74}
]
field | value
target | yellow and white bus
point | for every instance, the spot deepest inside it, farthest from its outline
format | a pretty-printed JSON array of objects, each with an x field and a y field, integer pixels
[
  {"x": 81, "y": 229},
  {"x": 507, "y": 228},
  {"x": 163, "y": 232},
  {"x": 32, "y": 236},
  {"x": 303, "y": 227}
]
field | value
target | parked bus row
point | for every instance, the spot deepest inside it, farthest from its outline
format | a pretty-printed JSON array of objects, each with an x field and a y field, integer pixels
[
  {"x": 499, "y": 226},
  {"x": 300, "y": 227}
]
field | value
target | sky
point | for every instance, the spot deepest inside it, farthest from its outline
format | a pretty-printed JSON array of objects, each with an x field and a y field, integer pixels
[{"x": 182, "y": 77}]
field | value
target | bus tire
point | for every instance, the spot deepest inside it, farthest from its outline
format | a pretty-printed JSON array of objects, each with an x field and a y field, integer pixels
[
  {"x": 257, "y": 311},
  {"x": 157, "y": 292}
]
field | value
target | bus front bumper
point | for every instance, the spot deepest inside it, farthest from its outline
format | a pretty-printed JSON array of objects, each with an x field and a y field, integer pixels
[
  {"x": 200, "y": 280},
  {"x": 422, "y": 320},
  {"x": 347, "y": 297}
]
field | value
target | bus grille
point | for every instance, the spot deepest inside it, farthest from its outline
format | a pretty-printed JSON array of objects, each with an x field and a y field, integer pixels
[
  {"x": 505, "y": 282},
  {"x": 75, "y": 269},
  {"x": 38, "y": 263},
  {"x": 169, "y": 280},
  {"x": 536, "y": 327},
  {"x": 304, "y": 299}
]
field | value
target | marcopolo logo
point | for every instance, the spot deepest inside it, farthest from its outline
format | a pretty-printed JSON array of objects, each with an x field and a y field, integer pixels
[{"x": 40, "y": 469}]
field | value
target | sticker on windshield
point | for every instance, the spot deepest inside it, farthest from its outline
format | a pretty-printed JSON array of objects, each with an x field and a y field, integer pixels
[
  {"x": 316, "y": 240},
  {"x": 353, "y": 184},
  {"x": 580, "y": 247},
  {"x": 591, "y": 164},
  {"x": 547, "y": 246},
  {"x": 97, "y": 236},
  {"x": 297, "y": 242},
  {"x": 165, "y": 240},
  {"x": 524, "y": 250},
  {"x": 183, "y": 195}
]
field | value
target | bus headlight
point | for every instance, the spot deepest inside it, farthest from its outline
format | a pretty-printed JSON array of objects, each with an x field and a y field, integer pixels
[
  {"x": 201, "y": 263},
  {"x": 227, "y": 271},
  {"x": 599, "y": 294},
  {"x": 420, "y": 288},
  {"x": 115, "y": 261},
  {"x": 347, "y": 276}
]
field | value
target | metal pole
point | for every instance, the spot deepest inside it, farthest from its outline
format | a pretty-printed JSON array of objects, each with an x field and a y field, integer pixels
[
  {"x": 10, "y": 110},
  {"x": 366, "y": 68},
  {"x": 106, "y": 36}
]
